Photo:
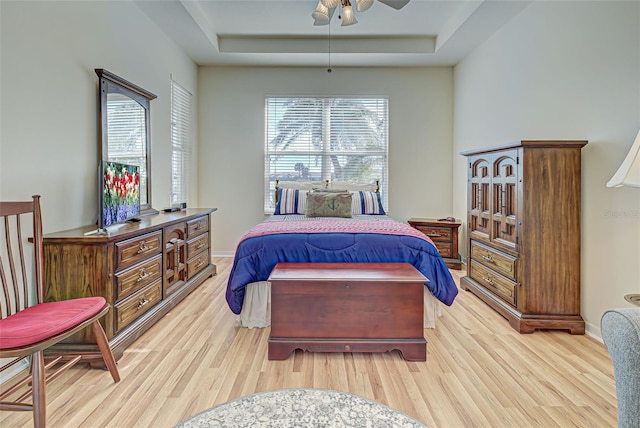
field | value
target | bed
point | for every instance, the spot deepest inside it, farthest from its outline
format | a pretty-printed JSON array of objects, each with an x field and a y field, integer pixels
[{"x": 366, "y": 234}]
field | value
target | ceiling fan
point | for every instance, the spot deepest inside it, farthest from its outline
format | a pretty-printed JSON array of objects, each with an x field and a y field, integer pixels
[{"x": 323, "y": 13}]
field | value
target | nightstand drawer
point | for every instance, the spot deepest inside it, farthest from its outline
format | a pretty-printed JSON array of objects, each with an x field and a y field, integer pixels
[
  {"x": 444, "y": 249},
  {"x": 500, "y": 262},
  {"x": 437, "y": 234},
  {"x": 494, "y": 282}
]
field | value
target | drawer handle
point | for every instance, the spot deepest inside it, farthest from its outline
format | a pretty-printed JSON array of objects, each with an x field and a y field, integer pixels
[
  {"x": 142, "y": 275},
  {"x": 198, "y": 226},
  {"x": 433, "y": 235},
  {"x": 201, "y": 244},
  {"x": 488, "y": 279},
  {"x": 201, "y": 262},
  {"x": 143, "y": 303},
  {"x": 143, "y": 247},
  {"x": 489, "y": 258},
  {"x": 347, "y": 286}
]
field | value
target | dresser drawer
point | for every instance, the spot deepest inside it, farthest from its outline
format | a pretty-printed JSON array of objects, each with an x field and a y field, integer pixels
[
  {"x": 198, "y": 263},
  {"x": 445, "y": 250},
  {"x": 500, "y": 262},
  {"x": 137, "y": 304},
  {"x": 437, "y": 234},
  {"x": 134, "y": 250},
  {"x": 494, "y": 282},
  {"x": 196, "y": 245},
  {"x": 197, "y": 226},
  {"x": 131, "y": 280}
]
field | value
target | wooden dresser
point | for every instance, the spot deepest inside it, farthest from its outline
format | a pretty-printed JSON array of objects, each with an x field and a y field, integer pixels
[
  {"x": 142, "y": 269},
  {"x": 444, "y": 235},
  {"x": 523, "y": 236}
]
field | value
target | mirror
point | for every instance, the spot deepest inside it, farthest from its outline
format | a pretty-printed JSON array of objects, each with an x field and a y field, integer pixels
[{"x": 124, "y": 125}]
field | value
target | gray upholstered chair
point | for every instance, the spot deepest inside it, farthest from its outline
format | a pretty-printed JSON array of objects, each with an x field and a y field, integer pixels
[{"x": 621, "y": 335}]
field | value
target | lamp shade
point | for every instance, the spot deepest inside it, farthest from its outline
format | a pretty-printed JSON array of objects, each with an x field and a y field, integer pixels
[
  {"x": 348, "y": 18},
  {"x": 362, "y": 5},
  {"x": 629, "y": 172},
  {"x": 329, "y": 4},
  {"x": 321, "y": 14}
]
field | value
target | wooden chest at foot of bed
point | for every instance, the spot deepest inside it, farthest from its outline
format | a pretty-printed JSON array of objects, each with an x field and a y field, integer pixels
[{"x": 347, "y": 307}]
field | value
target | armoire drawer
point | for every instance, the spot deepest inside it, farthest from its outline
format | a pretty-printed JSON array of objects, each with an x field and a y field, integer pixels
[
  {"x": 494, "y": 282},
  {"x": 134, "y": 250},
  {"x": 500, "y": 262},
  {"x": 137, "y": 304},
  {"x": 131, "y": 280}
]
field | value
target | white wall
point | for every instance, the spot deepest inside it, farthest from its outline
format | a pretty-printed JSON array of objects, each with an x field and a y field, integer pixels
[
  {"x": 231, "y": 118},
  {"x": 565, "y": 70},
  {"x": 49, "y": 108}
]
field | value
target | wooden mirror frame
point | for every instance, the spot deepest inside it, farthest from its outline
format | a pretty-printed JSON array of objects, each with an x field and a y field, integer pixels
[{"x": 110, "y": 83}]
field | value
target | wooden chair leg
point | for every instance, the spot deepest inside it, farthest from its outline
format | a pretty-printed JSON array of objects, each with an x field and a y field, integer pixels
[
  {"x": 105, "y": 349},
  {"x": 39, "y": 392}
]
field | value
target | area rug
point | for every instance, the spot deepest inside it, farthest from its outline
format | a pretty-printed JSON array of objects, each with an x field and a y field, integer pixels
[{"x": 287, "y": 408}]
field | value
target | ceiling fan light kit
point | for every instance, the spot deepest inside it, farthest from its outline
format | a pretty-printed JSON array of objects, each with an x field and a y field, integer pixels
[{"x": 324, "y": 10}]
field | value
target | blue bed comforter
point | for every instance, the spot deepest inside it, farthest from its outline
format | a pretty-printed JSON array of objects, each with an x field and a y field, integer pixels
[{"x": 256, "y": 256}]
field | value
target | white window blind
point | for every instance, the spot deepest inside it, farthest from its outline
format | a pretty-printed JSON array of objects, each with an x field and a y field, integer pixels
[
  {"x": 316, "y": 139},
  {"x": 181, "y": 142}
]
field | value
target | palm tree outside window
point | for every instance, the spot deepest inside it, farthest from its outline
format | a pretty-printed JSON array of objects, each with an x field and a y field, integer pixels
[{"x": 317, "y": 139}]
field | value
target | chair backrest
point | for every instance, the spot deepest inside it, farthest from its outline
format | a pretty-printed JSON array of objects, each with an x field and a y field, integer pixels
[{"x": 22, "y": 285}]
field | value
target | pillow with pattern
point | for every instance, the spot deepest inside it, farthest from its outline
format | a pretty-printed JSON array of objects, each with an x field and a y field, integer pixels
[
  {"x": 328, "y": 204},
  {"x": 291, "y": 201},
  {"x": 365, "y": 202}
]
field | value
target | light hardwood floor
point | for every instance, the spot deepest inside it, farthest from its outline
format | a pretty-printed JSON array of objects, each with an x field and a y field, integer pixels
[{"x": 479, "y": 372}]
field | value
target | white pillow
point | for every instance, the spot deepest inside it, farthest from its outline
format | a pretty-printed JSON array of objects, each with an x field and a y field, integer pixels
[
  {"x": 301, "y": 185},
  {"x": 353, "y": 186}
]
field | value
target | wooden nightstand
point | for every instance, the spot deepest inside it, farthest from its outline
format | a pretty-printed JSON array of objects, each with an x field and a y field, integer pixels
[{"x": 444, "y": 235}]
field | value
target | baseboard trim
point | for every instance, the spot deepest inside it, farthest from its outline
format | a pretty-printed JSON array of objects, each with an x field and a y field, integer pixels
[{"x": 223, "y": 254}]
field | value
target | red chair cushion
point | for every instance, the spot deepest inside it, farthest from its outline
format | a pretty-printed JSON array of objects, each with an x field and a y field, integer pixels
[{"x": 46, "y": 320}]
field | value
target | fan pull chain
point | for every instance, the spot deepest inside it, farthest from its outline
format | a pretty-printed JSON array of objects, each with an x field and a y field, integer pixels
[{"x": 329, "y": 70}]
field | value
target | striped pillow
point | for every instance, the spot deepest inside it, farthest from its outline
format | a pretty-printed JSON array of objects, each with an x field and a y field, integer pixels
[
  {"x": 366, "y": 202},
  {"x": 291, "y": 201}
]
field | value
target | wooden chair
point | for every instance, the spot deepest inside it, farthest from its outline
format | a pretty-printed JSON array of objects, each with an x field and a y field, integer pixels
[{"x": 29, "y": 325}]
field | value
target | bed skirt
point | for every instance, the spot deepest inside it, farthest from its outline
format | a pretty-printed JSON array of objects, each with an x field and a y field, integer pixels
[{"x": 256, "y": 309}]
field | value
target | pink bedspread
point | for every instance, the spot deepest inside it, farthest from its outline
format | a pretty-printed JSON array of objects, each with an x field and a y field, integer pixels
[{"x": 325, "y": 225}]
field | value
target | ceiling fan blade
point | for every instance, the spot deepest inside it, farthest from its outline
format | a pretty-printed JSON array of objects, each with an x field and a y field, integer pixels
[{"x": 396, "y": 4}]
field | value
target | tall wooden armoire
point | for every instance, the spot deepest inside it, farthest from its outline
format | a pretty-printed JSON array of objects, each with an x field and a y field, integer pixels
[{"x": 523, "y": 233}]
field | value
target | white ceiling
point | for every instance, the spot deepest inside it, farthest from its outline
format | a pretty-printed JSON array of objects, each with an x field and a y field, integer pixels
[{"x": 281, "y": 32}]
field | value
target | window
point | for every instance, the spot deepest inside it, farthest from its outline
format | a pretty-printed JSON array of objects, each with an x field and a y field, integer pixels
[
  {"x": 316, "y": 139},
  {"x": 181, "y": 142},
  {"x": 126, "y": 130}
]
